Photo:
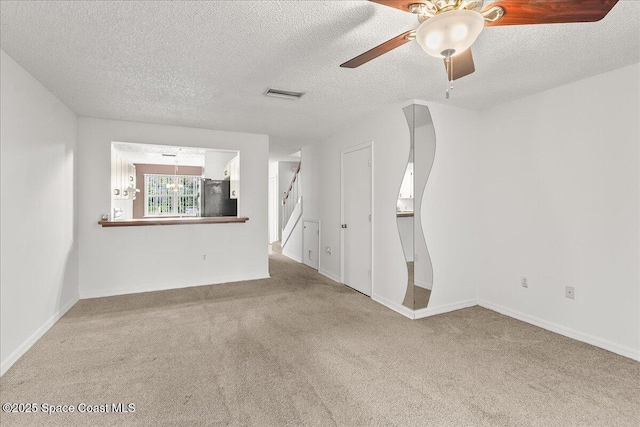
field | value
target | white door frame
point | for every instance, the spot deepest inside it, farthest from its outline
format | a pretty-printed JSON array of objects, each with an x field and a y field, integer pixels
[
  {"x": 319, "y": 238},
  {"x": 342, "y": 153},
  {"x": 273, "y": 221}
]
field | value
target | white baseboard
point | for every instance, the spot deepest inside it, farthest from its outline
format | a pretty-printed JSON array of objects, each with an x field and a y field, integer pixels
[
  {"x": 429, "y": 311},
  {"x": 25, "y": 346},
  {"x": 329, "y": 275},
  {"x": 110, "y": 292},
  {"x": 432, "y": 311},
  {"x": 293, "y": 257},
  {"x": 562, "y": 330},
  {"x": 398, "y": 308}
]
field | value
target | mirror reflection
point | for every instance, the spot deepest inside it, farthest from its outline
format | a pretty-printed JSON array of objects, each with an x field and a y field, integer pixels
[{"x": 410, "y": 205}]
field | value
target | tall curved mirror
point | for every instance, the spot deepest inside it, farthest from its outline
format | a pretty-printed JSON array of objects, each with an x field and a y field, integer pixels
[{"x": 411, "y": 203}]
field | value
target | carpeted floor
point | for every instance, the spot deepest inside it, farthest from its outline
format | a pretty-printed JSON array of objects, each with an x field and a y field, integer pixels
[{"x": 299, "y": 349}]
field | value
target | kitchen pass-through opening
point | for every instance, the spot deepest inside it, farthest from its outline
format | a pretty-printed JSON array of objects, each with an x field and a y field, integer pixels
[{"x": 160, "y": 181}]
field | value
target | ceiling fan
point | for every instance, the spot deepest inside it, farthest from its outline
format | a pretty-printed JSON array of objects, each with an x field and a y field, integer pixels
[{"x": 448, "y": 28}]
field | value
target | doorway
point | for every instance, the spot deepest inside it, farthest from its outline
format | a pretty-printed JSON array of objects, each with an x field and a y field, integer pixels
[{"x": 356, "y": 177}]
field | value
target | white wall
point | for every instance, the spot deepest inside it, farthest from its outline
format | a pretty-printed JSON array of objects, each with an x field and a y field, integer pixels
[
  {"x": 450, "y": 191},
  {"x": 560, "y": 185},
  {"x": 138, "y": 259},
  {"x": 214, "y": 163},
  {"x": 39, "y": 251},
  {"x": 293, "y": 247},
  {"x": 449, "y": 211}
]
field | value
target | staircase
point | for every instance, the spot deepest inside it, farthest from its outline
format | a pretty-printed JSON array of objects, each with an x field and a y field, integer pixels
[{"x": 292, "y": 207}]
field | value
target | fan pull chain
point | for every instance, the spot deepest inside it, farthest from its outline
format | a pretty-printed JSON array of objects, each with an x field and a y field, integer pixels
[{"x": 449, "y": 74}]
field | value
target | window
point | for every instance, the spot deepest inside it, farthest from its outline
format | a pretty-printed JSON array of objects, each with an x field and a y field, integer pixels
[{"x": 171, "y": 195}]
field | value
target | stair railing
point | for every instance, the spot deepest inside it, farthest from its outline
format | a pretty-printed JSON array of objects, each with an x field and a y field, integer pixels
[{"x": 290, "y": 198}]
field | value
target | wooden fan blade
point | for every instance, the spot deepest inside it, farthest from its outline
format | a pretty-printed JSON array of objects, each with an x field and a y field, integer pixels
[
  {"x": 378, "y": 50},
  {"x": 462, "y": 65},
  {"x": 397, "y": 4},
  {"x": 523, "y": 12}
]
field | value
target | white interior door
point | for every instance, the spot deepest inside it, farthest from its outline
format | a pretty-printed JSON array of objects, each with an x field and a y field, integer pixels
[
  {"x": 273, "y": 210},
  {"x": 311, "y": 243},
  {"x": 356, "y": 218}
]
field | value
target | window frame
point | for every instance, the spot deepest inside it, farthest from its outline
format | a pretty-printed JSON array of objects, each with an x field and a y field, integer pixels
[{"x": 172, "y": 194}]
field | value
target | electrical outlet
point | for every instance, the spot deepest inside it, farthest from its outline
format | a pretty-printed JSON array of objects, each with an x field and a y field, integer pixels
[
  {"x": 570, "y": 292},
  {"x": 204, "y": 257},
  {"x": 524, "y": 282}
]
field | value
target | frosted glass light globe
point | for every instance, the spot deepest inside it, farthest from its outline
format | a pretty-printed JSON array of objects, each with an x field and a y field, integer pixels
[{"x": 455, "y": 31}]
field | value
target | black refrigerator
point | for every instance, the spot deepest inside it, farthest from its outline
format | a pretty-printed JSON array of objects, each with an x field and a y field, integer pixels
[{"x": 216, "y": 198}]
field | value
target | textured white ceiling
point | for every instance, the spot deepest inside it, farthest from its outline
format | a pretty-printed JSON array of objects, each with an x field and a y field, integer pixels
[
  {"x": 153, "y": 154},
  {"x": 207, "y": 64}
]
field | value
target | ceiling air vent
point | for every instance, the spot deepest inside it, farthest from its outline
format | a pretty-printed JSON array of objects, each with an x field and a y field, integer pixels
[{"x": 286, "y": 94}]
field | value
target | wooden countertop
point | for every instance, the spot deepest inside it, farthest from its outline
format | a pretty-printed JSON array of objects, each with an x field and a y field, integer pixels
[
  {"x": 173, "y": 221},
  {"x": 404, "y": 214}
]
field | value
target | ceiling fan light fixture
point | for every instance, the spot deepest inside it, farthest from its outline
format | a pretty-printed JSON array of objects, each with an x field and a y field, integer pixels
[{"x": 452, "y": 31}]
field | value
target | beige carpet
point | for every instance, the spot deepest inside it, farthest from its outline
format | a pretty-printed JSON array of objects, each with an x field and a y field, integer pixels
[{"x": 299, "y": 349}]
